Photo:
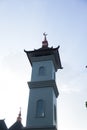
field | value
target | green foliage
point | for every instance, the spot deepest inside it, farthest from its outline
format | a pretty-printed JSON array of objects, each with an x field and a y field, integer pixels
[{"x": 86, "y": 103}]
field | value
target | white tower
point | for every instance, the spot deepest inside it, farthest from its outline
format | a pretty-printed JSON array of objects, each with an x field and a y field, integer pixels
[{"x": 42, "y": 105}]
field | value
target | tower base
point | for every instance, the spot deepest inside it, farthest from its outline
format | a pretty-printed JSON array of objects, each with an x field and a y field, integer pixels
[{"x": 43, "y": 128}]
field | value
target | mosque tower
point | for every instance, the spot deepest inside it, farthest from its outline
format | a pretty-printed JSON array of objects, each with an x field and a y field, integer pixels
[{"x": 42, "y": 105}]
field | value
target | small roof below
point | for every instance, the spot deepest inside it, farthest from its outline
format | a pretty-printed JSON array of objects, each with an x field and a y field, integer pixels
[
  {"x": 3, "y": 125},
  {"x": 16, "y": 126}
]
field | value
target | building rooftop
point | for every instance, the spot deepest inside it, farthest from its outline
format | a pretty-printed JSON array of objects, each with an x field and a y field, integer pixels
[
  {"x": 45, "y": 51},
  {"x": 3, "y": 125}
]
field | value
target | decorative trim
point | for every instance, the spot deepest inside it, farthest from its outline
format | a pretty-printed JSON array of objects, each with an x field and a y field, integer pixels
[{"x": 42, "y": 84}]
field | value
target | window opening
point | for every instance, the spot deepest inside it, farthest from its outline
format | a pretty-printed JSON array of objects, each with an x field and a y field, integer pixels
[
  {"x": 41, "y": 70},
  {"x": 40, "y": 108}
]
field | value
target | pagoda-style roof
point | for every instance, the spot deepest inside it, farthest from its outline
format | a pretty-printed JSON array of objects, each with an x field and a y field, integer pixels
[{"x": 45, "y": 51}]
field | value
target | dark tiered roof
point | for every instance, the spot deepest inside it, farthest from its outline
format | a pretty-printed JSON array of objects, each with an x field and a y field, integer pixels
[{"x": 45, "y": 51}]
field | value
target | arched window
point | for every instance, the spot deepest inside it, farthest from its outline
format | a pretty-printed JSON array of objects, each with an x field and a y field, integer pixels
[
  {"x": 40, "y": 108},
  {"x": 41, "y": 70}
]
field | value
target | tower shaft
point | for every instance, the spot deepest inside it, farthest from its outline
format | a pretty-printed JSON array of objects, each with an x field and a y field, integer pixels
[{"x": 42, "y": 105}]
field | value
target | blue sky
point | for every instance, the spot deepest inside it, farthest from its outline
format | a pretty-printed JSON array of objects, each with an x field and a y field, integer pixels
[{"x": 22, "y": 23}]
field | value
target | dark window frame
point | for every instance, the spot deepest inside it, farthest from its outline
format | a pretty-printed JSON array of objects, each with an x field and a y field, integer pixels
[{"x": 40, "y": 108}]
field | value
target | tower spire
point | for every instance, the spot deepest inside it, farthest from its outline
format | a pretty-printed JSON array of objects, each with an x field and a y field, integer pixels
[
  {"x": 19, "y": 116},
  {"x": 45, "y": 42}
]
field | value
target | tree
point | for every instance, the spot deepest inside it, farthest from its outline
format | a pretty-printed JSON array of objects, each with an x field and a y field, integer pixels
[{"x": 86, "y": 103}]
